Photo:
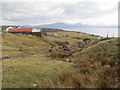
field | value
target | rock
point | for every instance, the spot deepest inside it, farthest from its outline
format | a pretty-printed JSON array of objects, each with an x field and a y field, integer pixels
[
  {"x": 118, "y": 45},
  {"x": 34, "y": 85},
  {"x": 67, "y": 54},
  {"x": 68, "y": 60},
  {"x": 50, "y": 50},
  {"x": 91, "y": 65}
]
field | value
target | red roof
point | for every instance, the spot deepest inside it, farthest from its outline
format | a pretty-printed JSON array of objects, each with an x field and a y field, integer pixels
[{"x": 20, "y": 30}]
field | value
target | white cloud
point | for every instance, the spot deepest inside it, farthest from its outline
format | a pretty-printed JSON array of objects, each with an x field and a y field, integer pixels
[{"x": 69, "y": 11}]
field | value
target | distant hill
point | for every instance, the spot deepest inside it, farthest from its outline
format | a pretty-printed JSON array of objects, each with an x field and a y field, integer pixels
[{"x": 64, "y": 25}]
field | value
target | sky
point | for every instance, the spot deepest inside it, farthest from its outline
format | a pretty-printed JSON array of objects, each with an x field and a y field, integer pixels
[{"x": 36, "y": 12}]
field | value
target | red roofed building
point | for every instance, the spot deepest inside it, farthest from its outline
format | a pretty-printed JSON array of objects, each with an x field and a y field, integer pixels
[
  {"x": 20, "y": 30},
  {"x": 32, "y": 31}
]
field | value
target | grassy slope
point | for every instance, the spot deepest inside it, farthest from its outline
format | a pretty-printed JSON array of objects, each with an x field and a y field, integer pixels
[
  {"x": 32, "y": 70},
  {"x": 102, "y": 57},
  {"x": 12, "y": 43},
  {"x": 36, "y": 67},
  {"x": 96, "y": 66},
  {"x": 59, "y": 36},
  {"x": 107, "y": 47}
]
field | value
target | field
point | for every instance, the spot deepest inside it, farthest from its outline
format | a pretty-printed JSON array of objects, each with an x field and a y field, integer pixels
[
  {"x": 70, "y": 38},
  {"x": 27, "y": 62},
  {"x": 31, "y": 64}
]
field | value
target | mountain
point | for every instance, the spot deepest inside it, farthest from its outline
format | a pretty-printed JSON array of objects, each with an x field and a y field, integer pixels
[
  {"x": 64, "y": 25},
  {"x": 56, "y": 25}
]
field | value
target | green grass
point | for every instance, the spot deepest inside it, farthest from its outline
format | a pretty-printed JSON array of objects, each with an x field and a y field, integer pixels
[
  {"x": 25, "y": 41},
  {"x": 102, "y": 56},
  {"x": 107, "y": 47},
  {"x": 73, "y": 34},
  {"x": 31, "y": 70},
  {"x": 11, "y": 44},
  {"x": 35, "y": 68},
  {"x": 69, "y": 38},
  {"x": 96, "y": 67},
  {"x": 53, "y": 38}
]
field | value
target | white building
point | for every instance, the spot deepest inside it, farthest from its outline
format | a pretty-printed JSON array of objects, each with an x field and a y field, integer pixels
[
  {"x": 36, "y": 30},
  {"x": 8, "y": 28}
]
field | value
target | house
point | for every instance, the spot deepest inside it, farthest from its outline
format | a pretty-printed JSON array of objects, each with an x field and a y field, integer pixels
[
  {"x": 19, "y": 30},
  {"x": 6, "y": 27},
  {"x": 37, "y": 32},
  {"x": 33, "y": 31},
  {"x": 22, "y": 30},
  {"x": 9, "y": 28}
]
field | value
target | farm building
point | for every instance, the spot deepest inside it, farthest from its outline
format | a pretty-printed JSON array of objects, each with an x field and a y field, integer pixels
[
  {"x": 6, "y": 27},
  {"x": 19, "y": 30},
  {"x": 37, "y": 32}
]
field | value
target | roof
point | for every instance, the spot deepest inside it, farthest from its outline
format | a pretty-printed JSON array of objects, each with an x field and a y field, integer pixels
[
  {"x": 20, "y": 30},
  {"x": 4, "y": 27}
]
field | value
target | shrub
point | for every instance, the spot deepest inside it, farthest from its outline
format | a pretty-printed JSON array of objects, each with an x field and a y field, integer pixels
[{"x": 21, "y": 49}]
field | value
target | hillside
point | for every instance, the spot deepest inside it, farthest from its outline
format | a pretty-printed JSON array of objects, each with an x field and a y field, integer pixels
[
  {"x": 27, "y": 62},
  {"x": 98, "y": 66},
  {"x": 18, "y": 44},
  {"x": 72, "y": 37}
]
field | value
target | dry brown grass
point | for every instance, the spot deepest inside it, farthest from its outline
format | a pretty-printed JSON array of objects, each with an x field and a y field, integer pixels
[
  {"x": 98, "y": 68},
  {"x": 73, "y": 79},
  {"x": 103, "y": 69},
  {"x": 108, "y": 78}
]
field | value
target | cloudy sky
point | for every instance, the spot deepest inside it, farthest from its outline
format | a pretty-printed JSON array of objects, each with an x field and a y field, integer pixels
[{"x": 34, "y": 12}]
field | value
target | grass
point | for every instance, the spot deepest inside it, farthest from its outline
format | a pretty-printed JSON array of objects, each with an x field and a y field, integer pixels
[
  {"x": 99, "y": 61},
  {"x": 69, "y": 38},
  {"x": 26, "y": 72},
  {"x": 11, "y": 44},
  {"x": 73, "y": 34},
  {"x": 107, "y": 48},
  {"x": 96, "y": 66},
  {"x": 93, "y": 67},
  {"x": 36, "y": 68},
  {"x": 25, "y": 41}
]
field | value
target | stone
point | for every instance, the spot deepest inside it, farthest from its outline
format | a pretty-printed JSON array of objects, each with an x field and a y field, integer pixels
[{"x": 68, "y": 60}]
